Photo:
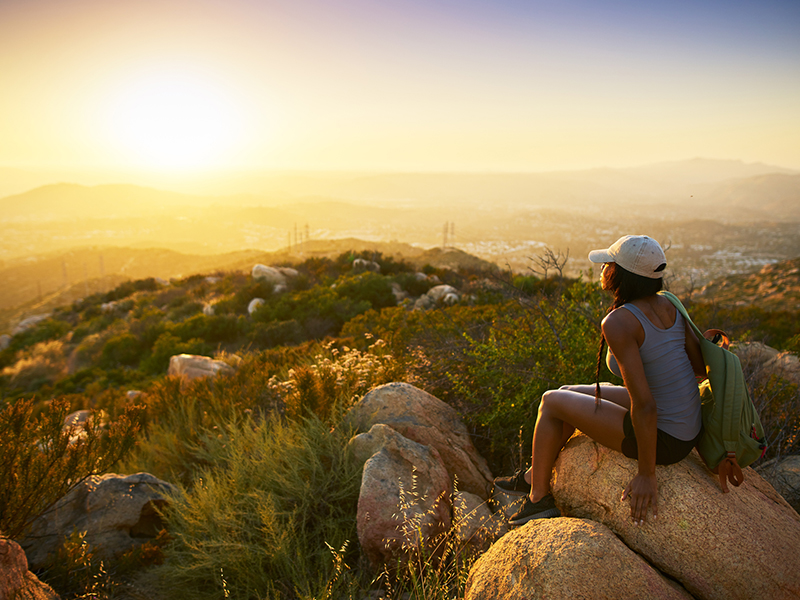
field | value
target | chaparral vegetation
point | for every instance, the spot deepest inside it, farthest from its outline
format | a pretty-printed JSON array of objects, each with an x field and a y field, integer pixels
[{"x": 266, "y": 489}]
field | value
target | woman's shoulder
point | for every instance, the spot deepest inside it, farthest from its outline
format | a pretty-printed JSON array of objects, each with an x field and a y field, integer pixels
[{"x": 620, "y": 320}]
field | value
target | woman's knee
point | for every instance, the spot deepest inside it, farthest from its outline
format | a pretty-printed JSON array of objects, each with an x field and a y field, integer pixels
[
  {"x": 582, "y": 388},
  {"x": 550, "y": 398}
]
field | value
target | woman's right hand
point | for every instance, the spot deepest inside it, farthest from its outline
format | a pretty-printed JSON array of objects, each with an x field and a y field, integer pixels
[{"x": 642, "y": 492}]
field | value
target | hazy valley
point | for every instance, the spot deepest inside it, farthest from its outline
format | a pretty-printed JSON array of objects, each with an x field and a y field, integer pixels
[{"x": 61, "y": 242}]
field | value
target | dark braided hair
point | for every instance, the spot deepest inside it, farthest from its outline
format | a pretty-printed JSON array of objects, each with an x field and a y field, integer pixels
[{"x": 626, "y": 287}]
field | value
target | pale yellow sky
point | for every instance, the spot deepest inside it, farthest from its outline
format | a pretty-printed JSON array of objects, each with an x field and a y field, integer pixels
[{"x": 180, "y": 86}]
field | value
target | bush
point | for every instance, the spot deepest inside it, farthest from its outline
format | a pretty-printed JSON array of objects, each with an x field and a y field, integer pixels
[
  {"x": 414, "y": 286},
  {"x": 214, "y": 329},
  {"x": 49, "y": 329},
  {"x": 276, "y": 333},
  {"x": 168, "y": 345},
  {"x": 130, "y": 287},
  {"x": 123, "y": 349},
  {"x": 367, "y": 287},
  {"x": 41, "y": 461},
  {"x": 43, "y": 364},
  {"x": 335, "y": 380},
  {"x": 321, "y": 311},
  {"x": 257, "y": 522}
]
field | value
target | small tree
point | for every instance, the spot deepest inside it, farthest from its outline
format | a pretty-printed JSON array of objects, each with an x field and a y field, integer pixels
[{"x": 41, "y": 460}]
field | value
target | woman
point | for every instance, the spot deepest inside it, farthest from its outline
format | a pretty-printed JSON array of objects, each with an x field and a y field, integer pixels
[{"x": 655, "y": 417}]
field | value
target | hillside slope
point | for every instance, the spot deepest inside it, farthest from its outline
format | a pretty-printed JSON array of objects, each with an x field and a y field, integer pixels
[{"x": 773, "y": 287}]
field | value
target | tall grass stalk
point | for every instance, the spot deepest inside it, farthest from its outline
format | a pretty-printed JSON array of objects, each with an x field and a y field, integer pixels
[{"x": 263, "y": 514}]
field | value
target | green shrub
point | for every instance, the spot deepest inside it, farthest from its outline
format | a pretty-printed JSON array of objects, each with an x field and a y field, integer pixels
[
  {"x": 168, "y": 345},
  {"x": 367, "y": 287},
  {"x": 40, "y": 461},
  {"x": 321, "y": 311},
  {"x": 184, "y": 310},
  {"x": 130, "y": 287},
  {"x": 214, "y": 329},
  {"x": 276, "y": 333},
  {"x": 123, "y": 349},
  {"x": 256, "y": 522},
  {"x": 414, "y": 286},
  {"x": 44, "y": 363},
  {"x": 49, "y": 329}
]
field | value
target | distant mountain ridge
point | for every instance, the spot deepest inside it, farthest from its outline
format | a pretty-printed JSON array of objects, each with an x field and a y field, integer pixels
[
  {"x": 648, "y": 181},
  {"x": 71, "y": 200}
]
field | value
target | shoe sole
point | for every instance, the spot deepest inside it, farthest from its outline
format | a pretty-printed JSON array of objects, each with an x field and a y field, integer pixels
[
  {"x": 512, "y": 492},
  {"x": 545, "y": 514}
]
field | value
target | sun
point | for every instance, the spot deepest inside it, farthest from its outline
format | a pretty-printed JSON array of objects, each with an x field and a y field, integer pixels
[{"x": 175, "y": 120}]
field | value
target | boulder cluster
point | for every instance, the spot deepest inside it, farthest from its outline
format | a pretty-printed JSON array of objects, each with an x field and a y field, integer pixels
[
  {"x": 423, "y": 481},
  {"x": 422, "y": 477},
  {"x": 414, "y": 447}
]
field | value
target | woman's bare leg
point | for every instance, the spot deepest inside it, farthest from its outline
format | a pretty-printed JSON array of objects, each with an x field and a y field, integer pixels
[
  {"x": 602, "y": 423},
  {"x": 614, "y": 393},
  {"x": 617, "y": 394}
]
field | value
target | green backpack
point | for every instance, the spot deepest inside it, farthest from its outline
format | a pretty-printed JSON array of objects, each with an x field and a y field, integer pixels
[{"x": 732, "y": 433}]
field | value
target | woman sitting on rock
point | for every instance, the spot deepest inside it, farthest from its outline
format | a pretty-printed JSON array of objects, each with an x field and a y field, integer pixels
[{"x": 655, "y": 417}]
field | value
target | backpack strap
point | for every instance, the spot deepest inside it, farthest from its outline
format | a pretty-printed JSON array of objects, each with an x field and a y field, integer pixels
[
  {"x": 682, "y": 309},
  {"x": 729, "y": 468}
]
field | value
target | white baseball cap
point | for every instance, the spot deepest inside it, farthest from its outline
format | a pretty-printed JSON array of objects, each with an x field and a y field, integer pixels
[{"x": 638, "y": 254}]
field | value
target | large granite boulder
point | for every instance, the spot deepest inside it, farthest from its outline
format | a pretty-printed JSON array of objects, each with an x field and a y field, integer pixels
[
  {"x": 192, "y": 366},
  {"x": 16, "y": 581},
  {"x": 437, "y": 295},
  {"x": 117, "y": 512},
  {"x": 270, "y": 274},
  {"x": 474, "y": 523},
  {"x": 404, "y": 503},
  {"x": 743, "y": 544},
  {"x": 421, "y": 417},
  {"x": 565, "y": 558}
]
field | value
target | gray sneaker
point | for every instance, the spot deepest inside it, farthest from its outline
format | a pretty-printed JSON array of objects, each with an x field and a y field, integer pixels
[
  {"x": 543, "y": 509},
  {"x": 514, "y": 484}
]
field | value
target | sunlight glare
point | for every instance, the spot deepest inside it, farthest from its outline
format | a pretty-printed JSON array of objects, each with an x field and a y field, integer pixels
[{"x": 176, "y": 121}]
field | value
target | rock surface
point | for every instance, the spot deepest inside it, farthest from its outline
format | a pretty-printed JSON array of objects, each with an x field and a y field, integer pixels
[
  {"x": 361, "y": 265},
  {"x": 16, "y": 581},
  {"x": 474, "y": 523},
  {"x": 255, "y": 303},
  {"x": 719, "y": 546},
  {"x": 405, "y": 495},
  {"x": 270, "y": 274},
  {"x": 117, "y": 512},
  {"x": 28, "y": 323},
  {"x": 421, "y": 417},
  {"x": 192, "y": 366},
  {"x": 565, "y": 558}
]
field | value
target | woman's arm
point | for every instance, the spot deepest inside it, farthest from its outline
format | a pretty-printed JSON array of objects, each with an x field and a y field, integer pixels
[{"x": 624, "y": 335}]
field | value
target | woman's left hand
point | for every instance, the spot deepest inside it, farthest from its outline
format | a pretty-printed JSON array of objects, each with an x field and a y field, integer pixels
[{"x": 642, "y": 492}]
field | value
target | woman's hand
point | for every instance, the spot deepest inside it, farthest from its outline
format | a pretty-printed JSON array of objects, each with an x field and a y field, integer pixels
[{"x": 642, "y": 492}]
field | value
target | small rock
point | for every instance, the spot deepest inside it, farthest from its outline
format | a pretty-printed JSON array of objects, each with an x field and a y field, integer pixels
[
  {"x": 191, "y": 366},
  {"x": 254, "y": 304}
]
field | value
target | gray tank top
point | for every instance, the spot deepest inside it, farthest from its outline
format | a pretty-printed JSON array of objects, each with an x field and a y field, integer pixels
[{"x": 669, "y": 374}]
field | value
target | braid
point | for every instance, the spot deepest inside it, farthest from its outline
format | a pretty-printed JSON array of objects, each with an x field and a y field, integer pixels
[
  {"x": 626, "y": 287},
  {"x": 614, "y": 276},
  {"x": 597, "y": 372}
]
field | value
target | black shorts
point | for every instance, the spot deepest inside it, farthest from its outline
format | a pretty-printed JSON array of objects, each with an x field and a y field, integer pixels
[{"x": 669, "y": 449}]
